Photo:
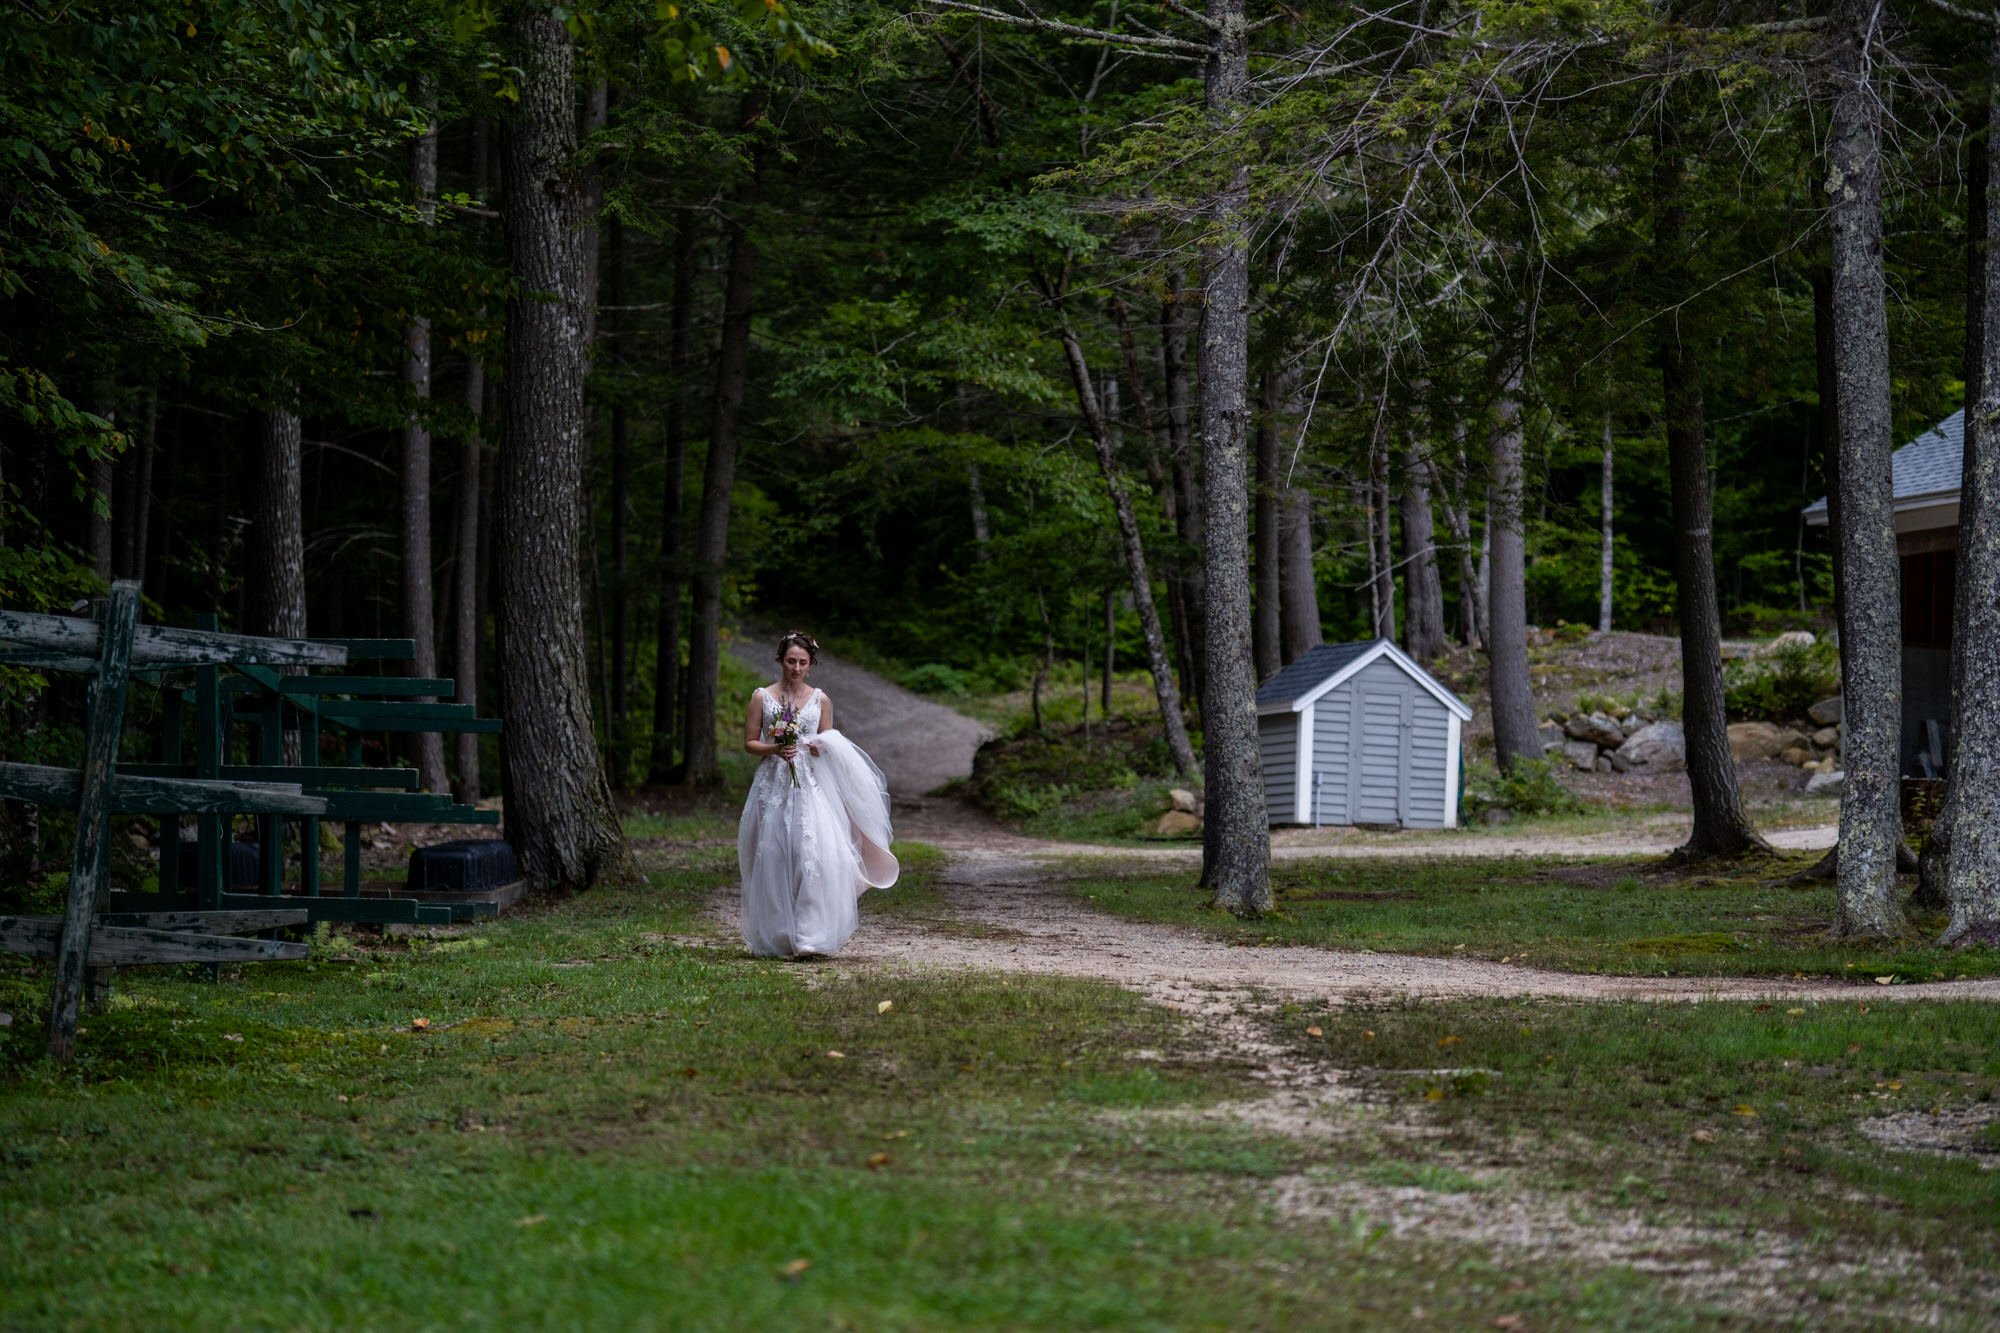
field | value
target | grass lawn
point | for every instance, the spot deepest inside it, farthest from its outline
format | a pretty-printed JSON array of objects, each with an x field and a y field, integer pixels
[
  {"x": 595, "y": 1124},
  {"x": 1613, "y": 917}
]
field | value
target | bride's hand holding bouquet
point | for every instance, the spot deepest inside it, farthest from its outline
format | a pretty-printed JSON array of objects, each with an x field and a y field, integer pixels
[{"x": 785, "y": 735}]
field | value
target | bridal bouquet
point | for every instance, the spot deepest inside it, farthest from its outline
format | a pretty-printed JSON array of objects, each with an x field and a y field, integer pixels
[{"x": 784, "y": 732}]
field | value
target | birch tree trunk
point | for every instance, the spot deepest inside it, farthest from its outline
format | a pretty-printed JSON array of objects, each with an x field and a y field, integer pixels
[
  {"x": 1514, "y": 734},
  {"x": 1237, "y": 841},
  {"x": 1966, "y": 834},
  {"x": 560, "y": 816},
  {"x": 1134, "y": 551},
  {"x": 1870, "y": 630},
  {"x": 673, "y": 499},
  {"x": 1423, "y": 587},
  {"x": 711, "y": 548},
  {"x": 1265, "y": 630},
  {"x": 419, "y": 608},
  {"x": 1605, "y": 533},
  {"x": 1721, "y": 829}
]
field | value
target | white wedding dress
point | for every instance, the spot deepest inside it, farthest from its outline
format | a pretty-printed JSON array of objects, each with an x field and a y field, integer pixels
[{"x": 808, "y": 852}]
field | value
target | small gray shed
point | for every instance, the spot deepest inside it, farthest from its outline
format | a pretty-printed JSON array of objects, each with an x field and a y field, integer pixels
[{"x": 1358, "y": 733}]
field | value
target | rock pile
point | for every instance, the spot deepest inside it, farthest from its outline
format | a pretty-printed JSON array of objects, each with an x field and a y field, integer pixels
[
  {"x": 1637, "y": 741},
  {"x": 1605, "y": 744}
]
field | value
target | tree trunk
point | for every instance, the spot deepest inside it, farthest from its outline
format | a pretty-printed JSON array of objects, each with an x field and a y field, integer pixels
[
  {"x": 419, "y": 611},
  {"x": 1966, "y": 833},
  {"x": 618, "y": 727},
  {"x": 1721, "y": 829},
  {"x": 711, "y": 543},
  {"x": 1381, "y": 547},
  {"x": 465, "y": 586},
  {"x": 1182, "y": 467},
  {"x": 1134, "y": 551},
  {"x": 1298, "y": 585},
  {"x": 1514, "y": 734},
  {"x": 102, "y": 500},
  {"x": 1265, "y": 633},
  {"x": 277, "y": 547},
  {"x": 560, "y": 816},
  {"x": 1423, "y": 588},
  {"x": 1237, "y": 841},
  {"x": 1604, "y": 548},
  {"x": 1111, "y": 655},
  {"x": 673, "y": 574},
  {"x": 1870, "y": 630}
]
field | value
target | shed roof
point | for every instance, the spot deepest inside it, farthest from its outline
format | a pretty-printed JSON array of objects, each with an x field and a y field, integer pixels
[
  {"x": 1324, "y": 666},
  {"x": 1928, "y": 468}
]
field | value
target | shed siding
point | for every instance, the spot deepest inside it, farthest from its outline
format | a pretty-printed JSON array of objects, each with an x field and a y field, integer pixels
[
  {"x": 1330, "y": 743},
  {"x": 1430, "y": 762},
  {"x": 1278, "y": 746}
]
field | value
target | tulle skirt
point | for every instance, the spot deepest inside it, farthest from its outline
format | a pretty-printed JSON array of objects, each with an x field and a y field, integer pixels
[{"x": 808, "y": 853}]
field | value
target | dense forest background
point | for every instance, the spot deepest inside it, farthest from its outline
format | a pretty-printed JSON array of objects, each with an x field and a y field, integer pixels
[{"x": 879, "y": 297}]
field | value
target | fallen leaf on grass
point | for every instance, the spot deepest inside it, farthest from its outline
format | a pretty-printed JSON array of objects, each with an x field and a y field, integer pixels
[
  {"x": 1449, "y": 1042},
  {"x": 885, "y": 1006},
  {"x": 1703, "y": 1136},
  {"x": 1367, "y": 1036},
  {"x": 1746, "y": 1111},
  {"x": 876, "y": 1161},
  {"x": 836, "y": 1055},
  {"x": 1314, "y": 1032},
  {"x": 1793, "y": 1013},
  {"x": 232, "y": 1036},
  {"x": 1883, "y": 981},
  {"x": 1507, "y": 1321},
  {"x": 531, "y": 1220},
  {"x": 420, "y": 1025},
  {"x": 792, "y": 1271},
  {"x": 896, "y": 1134}
]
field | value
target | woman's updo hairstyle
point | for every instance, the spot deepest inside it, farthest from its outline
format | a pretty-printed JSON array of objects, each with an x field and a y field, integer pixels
[{"x": 798, "y": 639}]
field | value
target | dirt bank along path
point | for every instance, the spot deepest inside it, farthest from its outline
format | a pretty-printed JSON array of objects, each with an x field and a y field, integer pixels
[{"x": 1006, "y": 907}]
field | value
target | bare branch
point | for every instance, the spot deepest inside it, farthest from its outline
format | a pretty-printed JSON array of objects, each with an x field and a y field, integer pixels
[{"x": 1173, "y": 44}]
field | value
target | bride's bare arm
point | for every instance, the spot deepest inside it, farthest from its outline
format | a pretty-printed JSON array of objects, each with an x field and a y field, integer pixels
[
  {"x": 753, "y": 727},
  {"x": 825, "y": 715}
]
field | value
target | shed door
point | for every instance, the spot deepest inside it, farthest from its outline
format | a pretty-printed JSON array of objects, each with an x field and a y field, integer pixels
[{"x": 1381, "y": 772}]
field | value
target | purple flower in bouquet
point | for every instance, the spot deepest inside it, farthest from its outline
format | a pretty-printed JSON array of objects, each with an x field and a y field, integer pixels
[{"x": 784, "y": 732}]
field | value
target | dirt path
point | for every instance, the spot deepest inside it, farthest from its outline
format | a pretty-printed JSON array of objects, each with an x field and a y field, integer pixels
[
  {"x": 919, "y": 745},
  {"x": 1006, "y": 907}
]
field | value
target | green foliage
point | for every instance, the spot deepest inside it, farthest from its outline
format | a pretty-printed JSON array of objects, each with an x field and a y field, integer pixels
[
  {"x": 1529, "y": 788},
  {"x": 1783, "y": 685}
]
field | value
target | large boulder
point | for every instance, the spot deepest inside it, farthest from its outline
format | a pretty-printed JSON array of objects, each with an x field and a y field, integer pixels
[
  {"x": 1826, "y": 712},
  {"x": 1595, "y": 728},
  {"x": 1825, "y": 784},
  {"x": 1826, "y": 738},
  {"x": 1794, "y": 638},
  {"x": 1176, "y": 824},
  {"x": 1551, "y": 734},
  {"x": 1761, "y": 740},
  {"x": 1582, "y": 755},
  {"x": 1659, "y": 748},
  {"x": 1183, "y": 801}
]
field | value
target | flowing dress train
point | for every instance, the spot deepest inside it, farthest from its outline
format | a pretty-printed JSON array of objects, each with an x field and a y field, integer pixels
[{"x": 808, "y": 852}]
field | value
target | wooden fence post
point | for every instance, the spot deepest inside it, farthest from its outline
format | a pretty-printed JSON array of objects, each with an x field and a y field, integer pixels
[{"x": 93, "y": 816}]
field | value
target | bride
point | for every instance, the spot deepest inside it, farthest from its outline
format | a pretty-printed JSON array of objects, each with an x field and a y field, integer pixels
[{"x": 815, "y": 829}]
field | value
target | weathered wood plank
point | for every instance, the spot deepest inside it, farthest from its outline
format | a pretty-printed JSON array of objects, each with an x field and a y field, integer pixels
[
  {"x": 303, "y": 776},
  {"x": 214, "y": 923},
  {"x": 127, "y": 946},
  {"x": 396, "y": 708},
  {"x": 164, "y": 645},
  {"x": 131, "y": 794},
  {"x": 45, "y": 659},
  {"x": 337, "y": 713},
  {"x": 403, "y": 808},
  {"x": 93, "y": 816}
]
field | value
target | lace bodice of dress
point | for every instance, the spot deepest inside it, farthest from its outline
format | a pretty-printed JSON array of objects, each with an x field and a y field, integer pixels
[{"x": 808, "y": 716}]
